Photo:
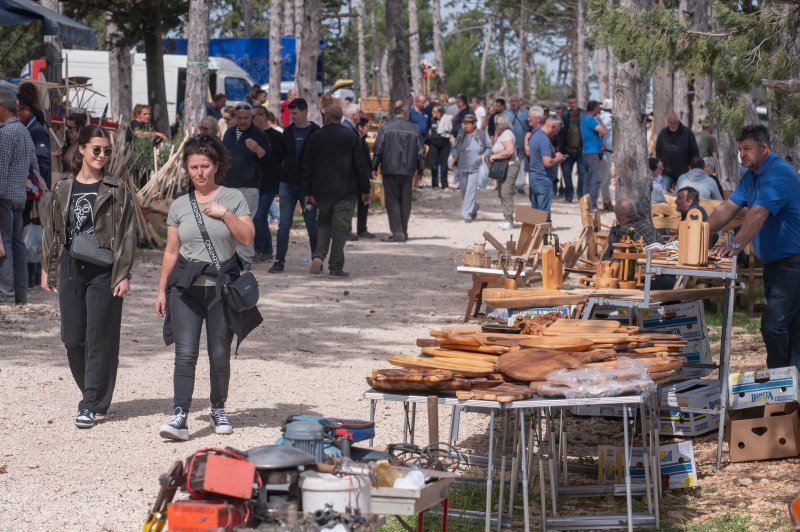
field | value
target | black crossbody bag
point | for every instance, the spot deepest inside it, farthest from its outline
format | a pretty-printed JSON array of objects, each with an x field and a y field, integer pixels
[{"x": 241, "y": 294}]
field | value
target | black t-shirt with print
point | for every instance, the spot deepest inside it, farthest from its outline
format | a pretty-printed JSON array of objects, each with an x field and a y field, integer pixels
[{"x": 81, "y": 205}]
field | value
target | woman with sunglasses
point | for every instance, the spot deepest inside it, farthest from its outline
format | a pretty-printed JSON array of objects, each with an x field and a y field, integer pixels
[{"x": 87, "y": 252}]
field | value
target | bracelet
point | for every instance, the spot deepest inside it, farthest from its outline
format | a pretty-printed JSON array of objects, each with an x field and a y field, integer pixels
[{"x": 224, "y": 213}]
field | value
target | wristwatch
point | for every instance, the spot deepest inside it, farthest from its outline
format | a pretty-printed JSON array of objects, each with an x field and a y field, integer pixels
[{"x": 735, "y": 245}]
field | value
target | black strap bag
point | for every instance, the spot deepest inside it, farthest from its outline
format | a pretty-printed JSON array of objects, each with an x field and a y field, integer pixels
[
  {"x": 241, "y": 294},
  {"x": 498, "y": 169},
  {"x": 85, "y": 249}
]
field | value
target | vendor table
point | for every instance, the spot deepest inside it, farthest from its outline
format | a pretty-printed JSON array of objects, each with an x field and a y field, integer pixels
[
  {"x": 482, "y": 278},
  {"x": 543, "y": 409},
  {"x": 729, "y": 278}
]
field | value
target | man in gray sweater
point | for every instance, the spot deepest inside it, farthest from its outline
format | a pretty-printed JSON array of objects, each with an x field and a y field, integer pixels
[{"x": 399, "y": 155}]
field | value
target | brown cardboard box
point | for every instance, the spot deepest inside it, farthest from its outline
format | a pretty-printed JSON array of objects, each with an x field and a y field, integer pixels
[{"x": 764, "y": 432}]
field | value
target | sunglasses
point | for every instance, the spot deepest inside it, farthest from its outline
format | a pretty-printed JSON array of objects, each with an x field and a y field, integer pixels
[{"x": 97, "y": 150}]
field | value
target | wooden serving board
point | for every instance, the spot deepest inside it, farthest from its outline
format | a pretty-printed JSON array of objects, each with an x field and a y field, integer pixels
[
  {"x": 567, "y": 322},
  {"x": 461, "y": 329},
  {"x": 418, "y": 375},
  {"x": 573, "y": 344},
  {"x": 504, "y": 393},
  {"x": 457, "y": 383},
  {"x": 456, "y": 366},
  {"x": 427, "y": 342},
  {"x": 528, "y": 365},
  {"x": 460, "y": 355},
  {"x": 485, "y": 349}
]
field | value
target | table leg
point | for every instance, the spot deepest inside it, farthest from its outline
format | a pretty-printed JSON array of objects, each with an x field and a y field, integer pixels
[
  {"x": 525, "y": 506},
  {"x": 445, "y": 509},
  {"x": 373, "y": 404},
  {"x": 413, "y": 428},
  {"x": 516, "y": 455},
  {"x": 421, "y": 521},
  {"x": 479, "y": 300},
  {"x": 489, "y": 473},
  {"x": 472, "y": 296},
  {"x": 646, "y": 456},
  {"x": 627, "y": 465},
  {"x": 724, "y": 366},
  {"x": 405, "y": 422},
  {"x": 504, "y": 439},
  {"x": 456, "y": 425},
  {"x": 551, "y": 455},
  {"x": 540, "y": 460}
]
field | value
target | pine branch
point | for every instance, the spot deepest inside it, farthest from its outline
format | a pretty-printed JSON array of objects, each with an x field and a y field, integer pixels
[{"x": 789, "y": 85}]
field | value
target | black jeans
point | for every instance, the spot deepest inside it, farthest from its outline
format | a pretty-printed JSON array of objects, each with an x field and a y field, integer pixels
[
  {"x": 90, "y": 323},
  {"x": 361, "y": 219},
  {"x": 780, "y": 322},
  {"x": 437, "y": 156},
  {"x": 397, "y": 191},
  {"x": 188, "y": 309},
  {"x": 14, "y": 266}
]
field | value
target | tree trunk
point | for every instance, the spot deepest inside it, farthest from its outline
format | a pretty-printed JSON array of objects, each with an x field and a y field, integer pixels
[
  {"x": 501, "y": 42},
  {"x": 397, "y": 66},
  {"x": 600, "y": 70},
  {"x": 487, "y": 43},
  {"x": 275, "y": 56},
  {"x": 377, "y": 57},
  {"x": 630, "y": 130},
  {"x": 287, "y": 28},
  {"x": 750, "y": 112},
  {"x": 533, "y": 74},
  {"x": 727, "y": 160},
  {"x": 701, "y": 21},
  {"x": 522, "y": 37},
  {"x": 780, "y": 104},
  {"x": 581, "y": 56},
  {"x": 413, "y": 47},
  {"x": 194, "y": 107},
  {"x": 438, "y": 50},
  {"x": 362, "y": 52},
  {"x": 52, "y": 52},
  {"x": 680, "y": 85},
  {"x": 663, "y": 97},
  {"x": 383, "y": 81},
  {"x": 307, "y": 59},
  {"x": 120, "y": 72},
  {"x": 299, "y": 11},
  {"x": 247, "y": 17},
  {"x": 156, "y": 86}
]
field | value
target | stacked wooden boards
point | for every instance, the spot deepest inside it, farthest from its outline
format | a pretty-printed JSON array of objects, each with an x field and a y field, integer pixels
[{"x": 497, "y": 366}]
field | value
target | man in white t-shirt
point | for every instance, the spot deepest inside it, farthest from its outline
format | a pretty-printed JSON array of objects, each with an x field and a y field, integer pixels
[
  {"x": 608, "y": 152},
  {"x": 479, "y": 111}
]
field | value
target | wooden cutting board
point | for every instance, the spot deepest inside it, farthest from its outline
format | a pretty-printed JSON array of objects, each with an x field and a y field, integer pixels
[
  {"x": 456, "y": 366},
  {"x": 427, "y": 342},
  {"x": 504, "y": 393},
  {"x": 460, "y": 355},
  {"x": 461, "y": 329},
  {"x": 457, "y": 383},
  {"x": 568, "y": 322},
  {"x": 417, "y": 375},
  {"x": 528, "y": 365},
  {"x": 558, "y": 343},
  {"x": 485, "y": 349}
]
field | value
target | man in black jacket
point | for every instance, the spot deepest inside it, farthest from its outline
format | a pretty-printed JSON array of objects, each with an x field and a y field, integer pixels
[
  {"x": 290, "y": 191},
  {"x": 675, "y": 146},
  {"x": 335, "y": 175},
  {"x": 270, "y": 182},
  {"x": 247, "y": 146},
  {"x": 399, "y": 154}
]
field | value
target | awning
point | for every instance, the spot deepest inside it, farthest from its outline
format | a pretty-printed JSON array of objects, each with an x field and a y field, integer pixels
[{"x": 70, "y": 32}]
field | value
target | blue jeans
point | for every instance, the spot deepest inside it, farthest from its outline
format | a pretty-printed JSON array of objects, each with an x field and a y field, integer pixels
[
  {"x": 541, "y": 192},
  {"x": 263, "y": 239},
  {"x": 593, "y": 177},
  {"x": 780, "y": 322},
  {"x": 566, "y": 169},
  {"x": 289, "y": 196}
]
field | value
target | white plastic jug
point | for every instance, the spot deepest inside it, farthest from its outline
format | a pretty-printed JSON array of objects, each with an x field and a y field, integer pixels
[{"x": 320, "y": 489}]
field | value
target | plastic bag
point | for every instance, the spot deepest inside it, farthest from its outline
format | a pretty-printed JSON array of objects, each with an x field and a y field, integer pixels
[
  {"x": 483, "y": 175},
  {"x": 32, "y": 236},
  {"x": 630, "y": 376}
]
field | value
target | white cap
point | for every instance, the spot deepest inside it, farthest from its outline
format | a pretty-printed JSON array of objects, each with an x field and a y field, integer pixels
[{"x": 606, "y": 105}]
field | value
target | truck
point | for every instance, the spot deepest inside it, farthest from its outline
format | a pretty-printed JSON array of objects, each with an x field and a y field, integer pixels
[{"x": 225, "y": 77}]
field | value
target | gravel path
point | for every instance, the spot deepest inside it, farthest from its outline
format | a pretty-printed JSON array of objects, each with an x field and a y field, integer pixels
[{"x": 321, "y": 337}]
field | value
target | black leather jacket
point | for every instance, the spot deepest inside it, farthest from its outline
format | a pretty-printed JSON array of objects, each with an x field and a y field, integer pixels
[{"x": 114, "y": 227}]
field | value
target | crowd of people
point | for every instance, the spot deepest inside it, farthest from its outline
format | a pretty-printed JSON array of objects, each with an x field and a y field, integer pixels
[{"x": 246, "y": 157}]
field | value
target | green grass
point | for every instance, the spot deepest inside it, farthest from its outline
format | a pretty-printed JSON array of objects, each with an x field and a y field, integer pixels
[{"x": 725, "y": 523}]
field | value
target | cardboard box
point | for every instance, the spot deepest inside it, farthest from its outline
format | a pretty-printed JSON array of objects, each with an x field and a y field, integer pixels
[
  {"x": 512, "y": 313},
  {"x": 764, "y": 432},
  {"x": 611, "y": 312},
  {"x": 676, "y": 462},
  {"x": 600, "y": 410},
  {"x": 696, "y": 352},
  {"x": 772, "y": 386},
  {"x": 694, "y": 394},
  {"x": 677, "y": 423},
  {"x": 686, "y": 319}
]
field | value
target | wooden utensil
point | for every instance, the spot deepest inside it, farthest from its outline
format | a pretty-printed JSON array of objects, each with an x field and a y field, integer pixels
[
  {"x": 558, "y": 343},
  {"x": 552, "y": 267},
  {"x": 461, "y": 355},
  {"x": 693, "y": 236},
  {"x": 457, "y": 383},
  {"x": 485, "y": 349},
  {"x": 458, "y": 367},
  {"x": 528, "y": 365},
  {"x": 419, "y": 375},
  {"x": 504, "y": 393}
]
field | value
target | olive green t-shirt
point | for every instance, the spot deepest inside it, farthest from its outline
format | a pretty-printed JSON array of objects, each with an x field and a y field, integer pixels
[{"x": 193, "y": 248}]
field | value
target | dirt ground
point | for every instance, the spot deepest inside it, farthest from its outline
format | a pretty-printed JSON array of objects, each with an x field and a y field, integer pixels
[{"x": 320, "y": 338}]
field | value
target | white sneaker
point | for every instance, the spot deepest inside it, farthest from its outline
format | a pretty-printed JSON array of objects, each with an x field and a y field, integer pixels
[
  {"x": 176, "y": 428},
  {"x": 219, "y": 420},
  {"x": 506, "y": 226}
]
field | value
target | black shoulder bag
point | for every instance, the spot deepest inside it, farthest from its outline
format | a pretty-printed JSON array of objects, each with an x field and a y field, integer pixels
[{"x": 242, "y": 293}]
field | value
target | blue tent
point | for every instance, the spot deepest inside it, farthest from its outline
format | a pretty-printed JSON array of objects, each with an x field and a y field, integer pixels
[{"x": 70, "y": 32}]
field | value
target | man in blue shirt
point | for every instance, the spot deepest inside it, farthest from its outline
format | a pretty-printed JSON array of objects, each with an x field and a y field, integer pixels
[
  {"x": 419, "y": 117},
  {"x": 770, "y": 189},
  {"x": 592, "y": 132},
  {"x": 543, "y": 163}
]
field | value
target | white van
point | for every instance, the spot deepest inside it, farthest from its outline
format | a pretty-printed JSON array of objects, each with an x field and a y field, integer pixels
[{"x": 225, "y": 77}]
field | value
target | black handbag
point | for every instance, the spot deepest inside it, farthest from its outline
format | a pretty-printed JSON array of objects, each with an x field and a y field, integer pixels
[
  {"x": 499, "y": 169},
  {"x": 85, "y": 249},
  {"x": 242, "y": 293}
]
